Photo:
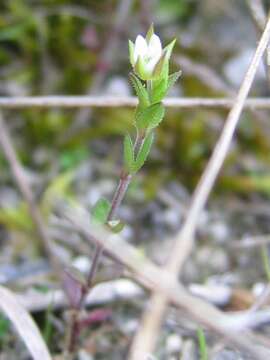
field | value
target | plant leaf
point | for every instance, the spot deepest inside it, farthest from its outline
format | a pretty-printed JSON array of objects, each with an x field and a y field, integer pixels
[
  {"x": 101, "y": 210},
  {"x": 150, "y": 117},
  {"x": 144, "y": 151},
  {"x": 56, "y": 190},
  {"x": 173, "y": 78},
  {"x": 169, "y": 48},
  {"x": 140, "y": 90},
  {"x": 159, "y": 89},
  {"x": 128, "y": 154}
]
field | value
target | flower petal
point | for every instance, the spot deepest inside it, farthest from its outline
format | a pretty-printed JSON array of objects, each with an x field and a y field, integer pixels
[
  {"x": 141, "y": 47},
  {"x": 154, "y": 47},
  {"x": 150, "y": 65}
]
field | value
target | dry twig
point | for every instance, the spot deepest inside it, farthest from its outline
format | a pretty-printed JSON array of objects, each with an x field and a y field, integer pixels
[
  {"x": 154, "y": 278},
  {"x": 22, "y": 183},
  {"x": 128, "y": 101},
  {"x": 24, "y": 324}
]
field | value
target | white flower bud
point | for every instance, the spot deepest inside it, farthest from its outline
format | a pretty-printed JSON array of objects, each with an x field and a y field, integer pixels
[{"x": 145, "y": 55}]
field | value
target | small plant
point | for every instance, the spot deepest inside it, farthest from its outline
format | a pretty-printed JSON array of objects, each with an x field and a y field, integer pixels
[{"x": 151, "y": 81}]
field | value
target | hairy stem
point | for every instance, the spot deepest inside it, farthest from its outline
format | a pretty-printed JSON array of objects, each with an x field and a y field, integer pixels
[{"x": 116, "y": 201}]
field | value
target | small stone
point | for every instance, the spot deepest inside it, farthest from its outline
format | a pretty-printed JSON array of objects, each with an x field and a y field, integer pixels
[
  {"x": 219, "y": 231},
  {"x": 83, "y": 355},
  {"x": 228, "y": 355},
  {"x": 82, "y": 263},
  {"x": 236, "y": 67},
  {"x": 118, "y": 86},
  {"x": 188, "y": 351},
  {"x": 173, "y": 344},
  {"x": 215, "y": 259},
  {"x": 258, "y": 289}
]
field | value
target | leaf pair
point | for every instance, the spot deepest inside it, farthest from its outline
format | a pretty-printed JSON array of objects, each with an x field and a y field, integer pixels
[
  {"x": 133, "y": 163},
  {"x": 162, "y": 86},
  {"x": 159, "y": 90},
  {"x": 150, "y": 117}
]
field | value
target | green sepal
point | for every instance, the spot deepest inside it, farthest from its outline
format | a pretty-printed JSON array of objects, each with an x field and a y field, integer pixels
[
  {"x": 162, "y": 86},
  {"x": 101, "y": 210},
  {"x": 131, "y": 47},
  {"x": 139, "y": 68},
  {"x": 128, "y": 154},
  {"x": 140, "y": 90},
  {"x": 150, "y": 32},
  {"x": 144, "y": 151},
  {"x": 150, "y": 117},
  {"x": 158, "y": 69},
  {"x": 169, "y": 48}
]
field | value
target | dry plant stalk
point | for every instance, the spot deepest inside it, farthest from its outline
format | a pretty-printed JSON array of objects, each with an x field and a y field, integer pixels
[
  {"x": 23, "y": 185},
  {"x": 146, "y": 337},
  {"x": 24, "y": 324},
  {"x": 17, "y": 102}
]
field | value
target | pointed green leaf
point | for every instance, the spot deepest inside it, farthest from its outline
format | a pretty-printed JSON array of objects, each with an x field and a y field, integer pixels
[
  {"x": 158, "y": 69},
  {"x": 131, "y": 47},
  {"x": 159, "y": 90},
  {"x": 144, "y": 151},
  {"x": 101, "y": 210},
  {"x": 150, "y": 32},
  {"x": 173, "y": 78},
  {"x": 169, "y": 48},
  {"x": 128, "y": 154},
  {"x": 140, "y": 68},
  {"x": 150, "y": 117},
  {"x": 140, "y": 91}
]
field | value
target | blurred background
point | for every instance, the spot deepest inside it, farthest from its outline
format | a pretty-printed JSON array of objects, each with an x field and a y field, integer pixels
[{"x": 60, "y": 47}]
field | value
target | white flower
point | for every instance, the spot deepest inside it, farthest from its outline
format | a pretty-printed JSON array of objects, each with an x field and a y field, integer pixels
[
  {"x": 150, "y": 52},
  {"x": 147, "y": 56}
]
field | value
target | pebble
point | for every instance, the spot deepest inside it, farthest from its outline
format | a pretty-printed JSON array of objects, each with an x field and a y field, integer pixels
[
  {"x": 82, "y": 263},
  {"x": 236, "y": 67},
  {"x": 227, "y": 355},
  {"x": 173, "y": 344},
  {"x": 219, "y": 232},
  {"x": 189, "y": 351},
  {"x": 258, "y": 289},
  {"x": 83, "y": 355},
  {"x": 215, "y": 259}
]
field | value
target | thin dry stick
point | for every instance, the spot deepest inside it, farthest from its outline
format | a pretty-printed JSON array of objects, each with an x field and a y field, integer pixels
[
  {"x": 15, "y": 102},
  {"x": 146, "y": 337},
  {"x": 22, "y": 183},
  {"x": 259, "y": 16},
  {"x": 152, "y": 277},
  {"x": 257, "y": 12}
]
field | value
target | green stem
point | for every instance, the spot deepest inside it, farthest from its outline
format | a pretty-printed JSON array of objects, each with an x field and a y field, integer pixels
[{"x": 119, "y": 194}]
